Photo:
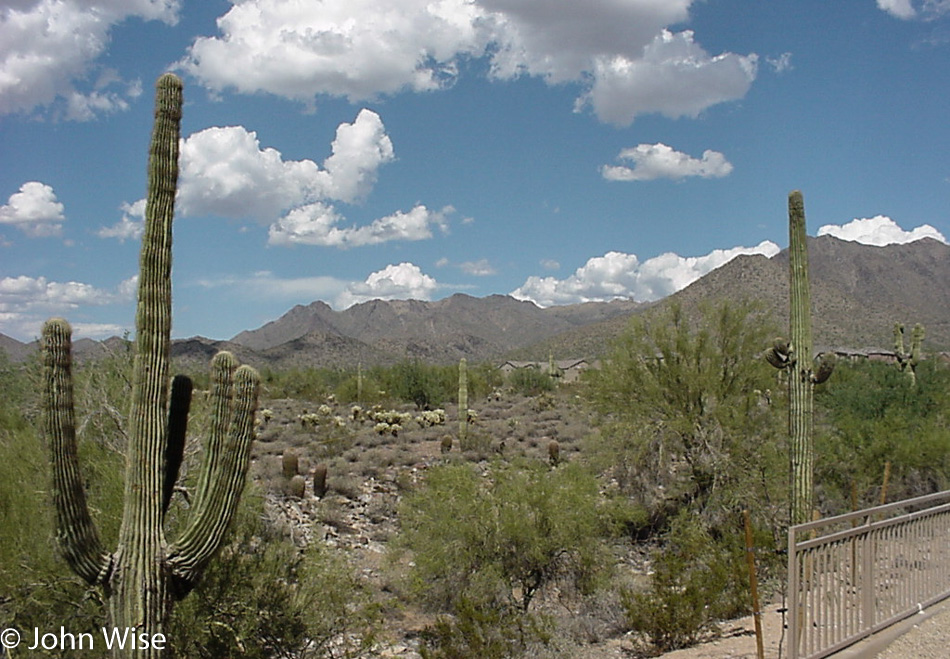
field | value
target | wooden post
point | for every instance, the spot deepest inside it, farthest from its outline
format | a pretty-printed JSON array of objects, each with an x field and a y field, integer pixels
[
  {"x": 753, "y": 583},
  {"x": 887, "y": 478}
]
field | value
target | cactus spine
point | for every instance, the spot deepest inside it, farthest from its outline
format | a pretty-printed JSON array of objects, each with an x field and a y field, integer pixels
[
  {"x": 907, "y": 361},
  {"x": 803, "y": 372},
  {"x": 463, "y": 404},
  {"x": 145, "y": 575}
]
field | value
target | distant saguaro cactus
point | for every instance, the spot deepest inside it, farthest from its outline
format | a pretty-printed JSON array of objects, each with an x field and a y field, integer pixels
[
  {"x": 908, "y": 361},
  {"x": 803, "y": 372},
  {"x": 463, "y": 403},
  {"x": 146, "y": 574}
]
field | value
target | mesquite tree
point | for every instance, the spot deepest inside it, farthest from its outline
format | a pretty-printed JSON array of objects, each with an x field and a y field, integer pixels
[
  {"x": 803, "y": 372},
  {"x": 146, "y": 573}
]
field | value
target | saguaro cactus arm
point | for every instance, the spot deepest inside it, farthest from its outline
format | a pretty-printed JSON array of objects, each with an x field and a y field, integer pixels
[
  {"x": 178, "y": 410},
  {"x": 75, "y": 530},
  {"x": 223, "y": 473}
]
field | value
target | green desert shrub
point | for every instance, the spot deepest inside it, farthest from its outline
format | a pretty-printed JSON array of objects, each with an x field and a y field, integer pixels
[
  {"x": 696, "y": 582},
  {"x": 484, "y": 546},
  {"x": 530, "y": 381},
  {"x": 264, "y": 597}
]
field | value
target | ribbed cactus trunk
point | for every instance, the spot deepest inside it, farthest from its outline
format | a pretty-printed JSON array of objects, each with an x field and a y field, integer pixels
[
  {"x": 145, "y": 575},
  {"x": 140, "y": 598},
  {"x": 463, "y": 404},
  {"x": 801, "y": 385}
]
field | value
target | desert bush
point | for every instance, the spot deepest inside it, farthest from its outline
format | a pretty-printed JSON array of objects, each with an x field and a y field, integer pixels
[
  {"x": 499, "y": 539},
  {"x": 530, "y": 381},
  {"x": 696, "y": 581},
  {"x": 682, "y": 416},
  {"x": 265, "y": 598},
  {"x": 871, "y": 415}
]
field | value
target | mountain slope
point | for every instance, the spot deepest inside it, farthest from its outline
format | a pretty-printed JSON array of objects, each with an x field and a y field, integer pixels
[{"x": 858, "y": 292}]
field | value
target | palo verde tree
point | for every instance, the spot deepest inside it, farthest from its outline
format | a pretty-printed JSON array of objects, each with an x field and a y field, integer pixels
[
  {"x": 804, "y": 373},
  {"x": 682, "y": 404},
  {"x": 145, "y": 574}
]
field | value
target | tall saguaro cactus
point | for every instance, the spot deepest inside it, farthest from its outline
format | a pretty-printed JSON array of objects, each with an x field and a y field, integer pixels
[
  {"x": 145, "y": 574},
  {"x": 908, "y": 361},
  {"x": 463, "y": 403},
  {"x": 796, "y": 358}
]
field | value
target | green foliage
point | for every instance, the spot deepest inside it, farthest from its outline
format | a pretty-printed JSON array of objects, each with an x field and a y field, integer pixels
[
  {"x": 425, "y": 385},
  {"x": 696, "y": 582},
  {"x": 301, "y": 383},
  {"x": 874, "y": 414},
  {"x": 262, "y": 597},
  {"x": 685, "y": 410},
  {"x": 497, "y": 540},
  {"x": 484, "y": 546},
  {"x": 33, "y": 589},
  {"x": 483, "y": 632},
  {"x": 530, "y": 381}
]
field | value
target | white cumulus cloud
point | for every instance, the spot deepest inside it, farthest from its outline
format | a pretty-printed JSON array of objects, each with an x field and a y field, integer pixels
[
  {"x": 351, "y": 48},
  {"x": 909, "y": 10},
  {"x": 394, "y": 282},
  {"x": 618, "y": 275},
  {"x": 317, "y": 224},
  {"x": 50, "y": 48},
  {"x": 879, "y": 230},
  {"x": 225, "y": 172},
  {"x": 674, "y": 77},
  {"x": 34, "y": 210},
  {"x": 26, "y": 302},
  {"x": 621, "y": 52},
  {"x": 654, "y": 161}
]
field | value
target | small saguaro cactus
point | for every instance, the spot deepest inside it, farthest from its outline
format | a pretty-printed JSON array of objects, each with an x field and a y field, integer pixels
[
  {"x": 463, "y": 403},
  {"x": 908, "y": 361},
  {"x": 795, "y": 356},
  {"x": 147, "y": 573}
]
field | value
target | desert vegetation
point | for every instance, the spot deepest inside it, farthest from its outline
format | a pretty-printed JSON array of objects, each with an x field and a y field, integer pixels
[
  {"x": 433, "y": 510},
  {"x": 396, "y": 543}
]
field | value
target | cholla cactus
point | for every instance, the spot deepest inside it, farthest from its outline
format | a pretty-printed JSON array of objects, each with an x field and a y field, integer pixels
[
  {"x": 795, "y": 357},
  {"x": 146, "y": 573}
]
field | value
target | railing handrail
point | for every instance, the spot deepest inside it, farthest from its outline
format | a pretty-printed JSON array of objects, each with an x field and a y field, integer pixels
[
  {"x": 876, "y": 510},
  {"x": 850, "y": 583}
]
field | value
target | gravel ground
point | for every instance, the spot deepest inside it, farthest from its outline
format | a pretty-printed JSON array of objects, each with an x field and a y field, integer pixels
[{"x": 928, "y": 640}]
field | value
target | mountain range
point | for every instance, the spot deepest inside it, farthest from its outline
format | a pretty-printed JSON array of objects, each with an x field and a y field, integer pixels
[{"x": 858, "y": 293}]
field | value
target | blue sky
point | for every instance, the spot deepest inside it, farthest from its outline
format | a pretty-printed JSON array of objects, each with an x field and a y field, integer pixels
[{"x": 554, "y": 150}]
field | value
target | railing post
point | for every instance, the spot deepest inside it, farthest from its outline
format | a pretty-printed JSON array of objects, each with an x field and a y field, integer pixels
[
  {"x": 868, "y": 557},
  {"x": 793, "y": 596}
]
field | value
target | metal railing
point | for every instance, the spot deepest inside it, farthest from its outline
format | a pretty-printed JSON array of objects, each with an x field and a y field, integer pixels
[{"x": 853, "y": 575}]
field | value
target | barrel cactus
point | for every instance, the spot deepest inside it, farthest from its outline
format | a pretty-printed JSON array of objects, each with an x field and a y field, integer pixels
[{"x": 147, "y": 573}]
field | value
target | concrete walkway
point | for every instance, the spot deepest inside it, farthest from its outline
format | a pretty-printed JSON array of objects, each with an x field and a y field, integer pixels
[{"x": 923, "y": 636}]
